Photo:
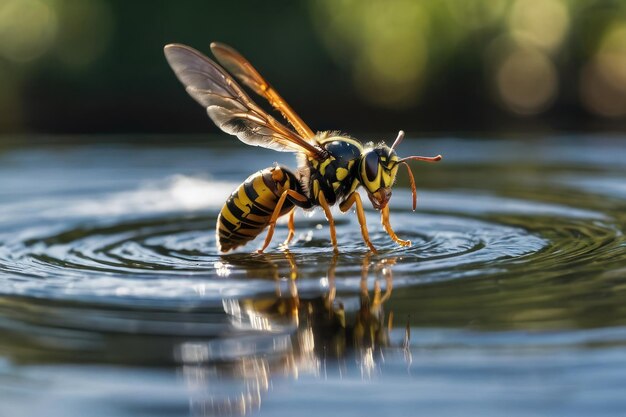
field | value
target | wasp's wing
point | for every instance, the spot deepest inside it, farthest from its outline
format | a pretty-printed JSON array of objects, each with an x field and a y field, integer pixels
[
  {"x": 241, "y": 68},
  {"x": 229, "y": 106}
]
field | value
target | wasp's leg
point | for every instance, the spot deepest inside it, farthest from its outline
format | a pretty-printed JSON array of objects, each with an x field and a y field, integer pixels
[
  {"x": 331, "y": 220},
  {"x": 384, "y": 219},
  {"x": 279, "y": 205},
  {"x": 355, "y": 198},
  {"x": 292, "y": 228}
]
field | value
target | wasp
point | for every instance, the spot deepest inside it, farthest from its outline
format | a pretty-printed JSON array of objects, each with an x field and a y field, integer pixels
[{"x": 331, "y": 166}]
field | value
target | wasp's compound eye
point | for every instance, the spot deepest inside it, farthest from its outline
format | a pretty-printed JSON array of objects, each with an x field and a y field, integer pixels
[{"x": 371, "y": 166}]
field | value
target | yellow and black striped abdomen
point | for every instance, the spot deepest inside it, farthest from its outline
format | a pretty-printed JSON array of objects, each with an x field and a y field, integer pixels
[{"x": 249, "y": 208}]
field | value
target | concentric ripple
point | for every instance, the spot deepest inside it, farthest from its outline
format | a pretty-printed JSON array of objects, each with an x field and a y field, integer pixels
[
  {"x": 156, "y": 241},
  {"x": 173, "y": 255}
]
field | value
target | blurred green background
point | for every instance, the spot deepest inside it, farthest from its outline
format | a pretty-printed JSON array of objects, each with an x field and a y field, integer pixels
[{"x": 96, "y": 66}]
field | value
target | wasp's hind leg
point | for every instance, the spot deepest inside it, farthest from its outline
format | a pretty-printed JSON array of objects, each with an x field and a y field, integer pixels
[
  {"x": 355, "y": 198},
  {"x": 296, "y": 198},
  {"x": 292, "y": 228}
]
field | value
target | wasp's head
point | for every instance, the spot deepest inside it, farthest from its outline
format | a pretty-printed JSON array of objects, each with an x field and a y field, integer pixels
[
  {"x": 378, "y": 168},
  {"x": 377, "y": 171}
]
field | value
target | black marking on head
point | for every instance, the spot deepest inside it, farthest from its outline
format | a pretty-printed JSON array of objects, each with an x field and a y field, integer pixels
[{"x": 371, "y": 165}]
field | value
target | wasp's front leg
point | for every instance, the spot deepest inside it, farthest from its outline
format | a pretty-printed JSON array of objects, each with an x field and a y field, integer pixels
[
  {"x": 355, "y": 198},
  {"x": 384, "y": 219}
]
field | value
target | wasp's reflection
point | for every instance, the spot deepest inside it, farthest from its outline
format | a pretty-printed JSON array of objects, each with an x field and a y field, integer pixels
[{"x": 287, "y": 335}]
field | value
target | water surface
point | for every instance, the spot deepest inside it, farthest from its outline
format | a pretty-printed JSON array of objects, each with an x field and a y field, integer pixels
[{"x": 114, "y": 301}]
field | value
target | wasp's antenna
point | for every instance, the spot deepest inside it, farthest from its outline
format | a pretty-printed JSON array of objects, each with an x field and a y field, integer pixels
[
  {"x": 422, "y": 158},
  {"x": 398, "y": 139},
  {"x": 412, "y": 181}
]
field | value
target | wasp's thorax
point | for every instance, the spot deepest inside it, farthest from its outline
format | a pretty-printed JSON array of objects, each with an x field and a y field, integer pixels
[{"x": 377, "y": 173}]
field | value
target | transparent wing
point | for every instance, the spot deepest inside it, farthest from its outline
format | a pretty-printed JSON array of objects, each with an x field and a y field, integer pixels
[
  {"x": 229, "y": 106},
  {"x": 242, "y": 70}
]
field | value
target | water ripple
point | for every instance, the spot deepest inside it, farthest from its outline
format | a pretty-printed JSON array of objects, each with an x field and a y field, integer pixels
[{"x": 139, "y": 253}]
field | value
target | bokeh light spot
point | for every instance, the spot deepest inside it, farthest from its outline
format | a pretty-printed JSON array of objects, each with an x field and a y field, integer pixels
[
  {"x": 475, "y": 14},
  {"x": 27, "y": 29},
  {"x": 86, "y": 28},
  {"x": 383, "y": 44},
  {"x": 603, "y": 80},
  {"x": 544, "y": 23},
  {"x": 527, "y": 81}
]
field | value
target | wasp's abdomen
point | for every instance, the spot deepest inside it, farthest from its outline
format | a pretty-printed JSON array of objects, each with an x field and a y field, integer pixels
[{"x": 249, "y": 208}]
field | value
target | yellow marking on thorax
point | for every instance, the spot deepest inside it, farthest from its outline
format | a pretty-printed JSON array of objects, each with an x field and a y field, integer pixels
[
  {"x": 316, "y": 188},
  {"x": 341, "y": 173},
  {"x": 325, "y": 164}
]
